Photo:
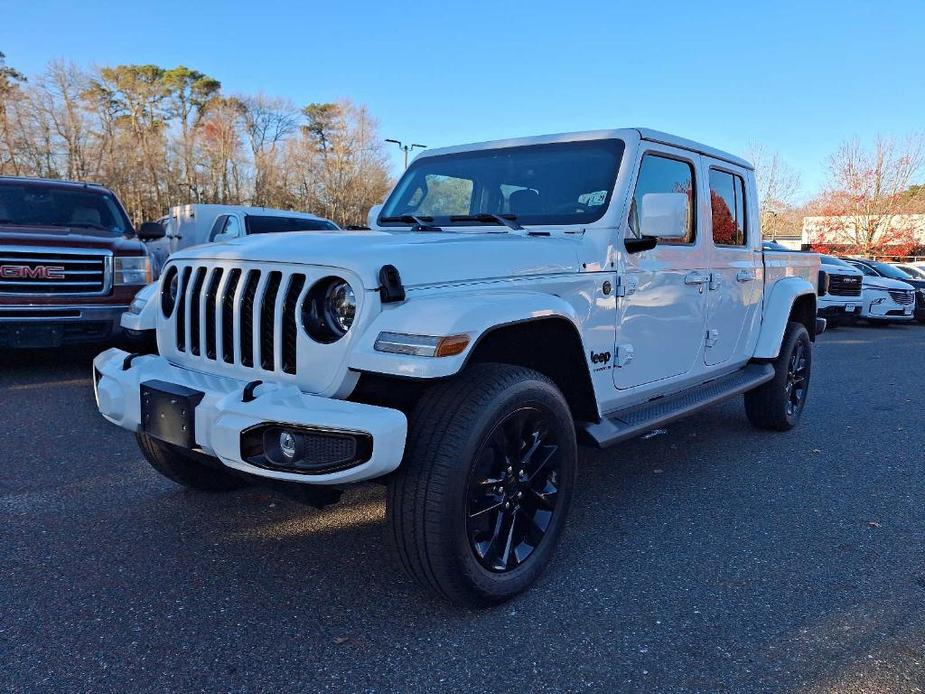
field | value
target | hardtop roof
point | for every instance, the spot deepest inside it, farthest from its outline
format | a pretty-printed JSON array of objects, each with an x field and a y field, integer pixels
[{"x": 647, "y": 134}]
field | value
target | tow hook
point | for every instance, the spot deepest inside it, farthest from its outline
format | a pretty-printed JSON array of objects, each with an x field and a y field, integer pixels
[
  {"x": 248, "y": 394},
  {"x": 127, "y": 362}
]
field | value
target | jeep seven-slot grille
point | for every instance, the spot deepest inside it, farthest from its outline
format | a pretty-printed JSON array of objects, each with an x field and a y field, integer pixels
[
  {"x": 54, "y": 271},
  {"x": 845, "y": 285},
  {"x": 236, "y": 316},
  {"x": 902, "y": 296}
]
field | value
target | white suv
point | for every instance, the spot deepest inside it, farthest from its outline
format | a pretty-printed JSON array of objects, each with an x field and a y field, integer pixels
[
  {"x": 887, "y": 297},
  {"x": 514, "y": 299}
]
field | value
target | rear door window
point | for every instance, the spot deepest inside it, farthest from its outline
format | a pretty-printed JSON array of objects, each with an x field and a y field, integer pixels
[{"x": 727, "y": 203}]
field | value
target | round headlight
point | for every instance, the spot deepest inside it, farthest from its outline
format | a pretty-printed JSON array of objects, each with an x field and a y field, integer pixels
[
  {"x": 169, "y": 290},
  {"x": 329, "y": 310},
  {"x": 340, "y": 306}
]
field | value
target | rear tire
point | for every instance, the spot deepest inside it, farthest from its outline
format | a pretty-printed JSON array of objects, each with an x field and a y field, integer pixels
[
  {"x": 191, "y": 470},
  {"x": 479, "y": 503},
  {"x": 778, "y": 404}
]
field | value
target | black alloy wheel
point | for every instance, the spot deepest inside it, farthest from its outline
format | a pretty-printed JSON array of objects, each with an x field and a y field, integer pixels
[
  {"x": 797, "y": 379},
  {"x": 513, "y": 489}
]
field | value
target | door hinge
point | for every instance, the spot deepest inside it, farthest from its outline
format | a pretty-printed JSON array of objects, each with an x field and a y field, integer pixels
[
  {"x": 626, "y": 286},
  {"x": 712, "y": 337},
  {"x": 624, "y": 355}
]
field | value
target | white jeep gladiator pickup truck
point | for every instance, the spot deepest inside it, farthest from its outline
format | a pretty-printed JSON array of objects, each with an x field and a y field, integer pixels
[{"x": 512, "y": 300}]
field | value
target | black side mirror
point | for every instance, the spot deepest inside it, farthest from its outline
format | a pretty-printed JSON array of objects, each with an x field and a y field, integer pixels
[
  {"x": 644, "y": 243},
  {"x": 151, "y": 231}
]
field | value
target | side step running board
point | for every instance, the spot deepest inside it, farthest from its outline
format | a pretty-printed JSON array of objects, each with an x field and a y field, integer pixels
[{"x": 639, "y": 419}]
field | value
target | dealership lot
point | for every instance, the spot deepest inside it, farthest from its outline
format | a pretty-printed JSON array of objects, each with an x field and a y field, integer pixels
[{"x": 710, "y": 557}]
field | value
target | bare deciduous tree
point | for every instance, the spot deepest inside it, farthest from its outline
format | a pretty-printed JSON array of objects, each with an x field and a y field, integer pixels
[
  {"x": 162, "y": 137},
  {"x": 778, "y": 185},
  {"x": 866, "y": 192}
]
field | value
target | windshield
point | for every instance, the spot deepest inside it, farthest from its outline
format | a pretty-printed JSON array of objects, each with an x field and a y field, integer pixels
[
  {"x": 559, "y": 183},
  {"x": 47, "y": 204},
  {"x": 267, "y": 225},
  {"x": 831, "y": 260},
  {"x": 912, "y": 271},
  {"x": 891, "y": 271}
]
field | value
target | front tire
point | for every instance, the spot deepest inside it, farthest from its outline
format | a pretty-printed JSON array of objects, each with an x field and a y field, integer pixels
[
  {"x": 778, "y": 404},
  {"x": 479, "y": 503},
  {"x": 187, "y": 468}
]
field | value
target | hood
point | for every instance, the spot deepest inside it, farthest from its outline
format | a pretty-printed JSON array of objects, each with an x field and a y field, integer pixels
[
  {"x": 915, "y": 282},
  {"x": 68, "y": 237},
  {"x": 885, "y": 283},
  {"x": 422, "y": 258},
  {"x": 841, "y": 271}
]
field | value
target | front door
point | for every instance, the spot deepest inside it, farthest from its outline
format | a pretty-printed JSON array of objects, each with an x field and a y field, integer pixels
[
  {"x": 734, "y": 294},
  {"x": 662, "y": 311}
]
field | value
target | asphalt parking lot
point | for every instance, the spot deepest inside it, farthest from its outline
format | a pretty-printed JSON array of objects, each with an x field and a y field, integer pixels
[{"x": 709, "y": 558}]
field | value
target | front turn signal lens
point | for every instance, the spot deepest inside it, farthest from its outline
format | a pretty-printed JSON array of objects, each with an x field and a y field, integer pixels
[
  {"x": 452, "y": 345},
  {"x": 421, "y": 345}
]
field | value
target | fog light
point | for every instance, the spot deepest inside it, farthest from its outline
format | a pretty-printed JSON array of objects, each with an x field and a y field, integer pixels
[{"x": 287, "y": 444}]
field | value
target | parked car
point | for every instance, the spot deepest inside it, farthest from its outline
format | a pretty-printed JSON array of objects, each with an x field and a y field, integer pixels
[
  {"x": 70, "y": 262},
  {"x": 515, "y": 298},
  {"x": 191, "y": 225},
  {"x": 890, "y": 293},
  {"x": 840, "y": 287},
  {"x": 914, "y": 271}
]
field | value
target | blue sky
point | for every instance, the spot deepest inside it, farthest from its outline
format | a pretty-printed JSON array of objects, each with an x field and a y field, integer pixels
[{"x": 796, "y": 77}]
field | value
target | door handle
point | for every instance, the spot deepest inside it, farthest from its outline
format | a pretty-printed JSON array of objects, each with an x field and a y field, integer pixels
[
  {"x": 696, "y": 278},
  {"x": 745, "y": 275}
]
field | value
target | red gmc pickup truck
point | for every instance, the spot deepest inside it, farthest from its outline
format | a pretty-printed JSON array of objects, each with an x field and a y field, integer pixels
[{"x": 70, "y": 262}]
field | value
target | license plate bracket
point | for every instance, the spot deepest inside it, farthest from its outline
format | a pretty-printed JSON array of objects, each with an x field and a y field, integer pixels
[{"x": 168, "y": 412}]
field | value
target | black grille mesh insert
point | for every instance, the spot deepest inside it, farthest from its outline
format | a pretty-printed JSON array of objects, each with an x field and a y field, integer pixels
[
  {"x": 194, "y": 312},
  {"x": 181, "y": 310},
  {"x": 211, "y": 292},
  {"x": 267, "y": 315},
  {"x": 296, "y": 283},
  {"x": 231, "y": 287},
  {"x": 247, "y": 318}
]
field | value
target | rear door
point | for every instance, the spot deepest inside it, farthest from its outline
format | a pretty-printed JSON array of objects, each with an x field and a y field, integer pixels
[
  {"x": 735, "y": 289},
  {"x": 661, "y": 317}
]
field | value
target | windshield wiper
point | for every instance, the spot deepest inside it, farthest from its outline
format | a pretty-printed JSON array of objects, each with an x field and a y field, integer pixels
[
  {"x": 420, "y": 223},
  {"x": 84, "y": 225},
  {"x": 487, "y": 218}
]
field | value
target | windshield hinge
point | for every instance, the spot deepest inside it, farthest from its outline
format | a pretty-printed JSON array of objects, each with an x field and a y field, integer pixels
[{"x": 390, "y": 286}]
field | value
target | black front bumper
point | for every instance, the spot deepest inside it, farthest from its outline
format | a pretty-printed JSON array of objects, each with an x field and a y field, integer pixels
[
  {"x": 34, "y": 327},
  {"x": 840, "y": 312}
]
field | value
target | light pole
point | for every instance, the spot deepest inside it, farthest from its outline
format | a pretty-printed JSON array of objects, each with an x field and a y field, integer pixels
[{"x": 406, "y": 148}]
